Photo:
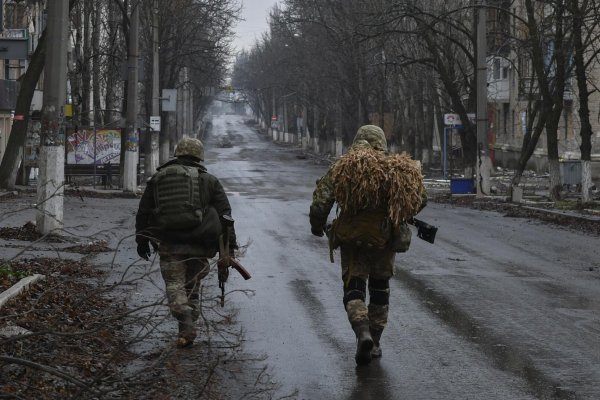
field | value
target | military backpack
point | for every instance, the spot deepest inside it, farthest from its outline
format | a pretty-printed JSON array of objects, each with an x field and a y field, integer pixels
[
  {"x": 367, "y": 228},
  {"x": 178, "y": 198}
]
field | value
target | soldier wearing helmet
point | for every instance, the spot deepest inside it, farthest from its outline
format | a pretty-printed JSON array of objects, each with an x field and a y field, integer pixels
[
  {"x": 362, "y": 267},
  {"x": 179, "y": 215}
]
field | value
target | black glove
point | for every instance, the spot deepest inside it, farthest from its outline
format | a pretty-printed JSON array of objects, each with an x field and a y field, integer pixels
[
  {"x": 317, "y": 232},
  {"x": 143, "y": 250}
]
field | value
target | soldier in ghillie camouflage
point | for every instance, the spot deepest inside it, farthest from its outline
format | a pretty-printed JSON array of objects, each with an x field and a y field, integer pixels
[
  {"x": 180, "y": 216},
  {"x": 362, "y": 266}
]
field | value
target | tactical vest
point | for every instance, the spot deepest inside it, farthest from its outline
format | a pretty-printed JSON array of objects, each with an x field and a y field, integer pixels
[{"x": 179, "y": 202}]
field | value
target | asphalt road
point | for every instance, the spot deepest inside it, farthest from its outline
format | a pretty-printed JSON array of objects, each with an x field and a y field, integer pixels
[{"x": 498, "y": 308}]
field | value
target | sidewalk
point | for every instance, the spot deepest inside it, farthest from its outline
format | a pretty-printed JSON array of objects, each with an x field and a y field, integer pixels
[{"x": 127, "y": 309}]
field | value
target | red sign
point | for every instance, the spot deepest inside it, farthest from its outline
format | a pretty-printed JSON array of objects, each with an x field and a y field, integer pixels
[
  {"x": 19, "y": 117},
  {"x": 274, "y": 118}
]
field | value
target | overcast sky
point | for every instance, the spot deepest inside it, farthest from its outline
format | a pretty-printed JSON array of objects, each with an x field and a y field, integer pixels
[{"x": 254, "y": 13}]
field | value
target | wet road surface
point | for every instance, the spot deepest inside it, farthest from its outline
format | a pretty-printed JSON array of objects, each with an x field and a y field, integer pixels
[{"x": 498, "y": 308}]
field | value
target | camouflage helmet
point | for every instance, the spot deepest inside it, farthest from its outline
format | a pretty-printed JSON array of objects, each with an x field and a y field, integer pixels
[
  {"x": 373, "y": 135},
  {"x": 360, "y": 144},
  {"x": 190, "y": 147}
]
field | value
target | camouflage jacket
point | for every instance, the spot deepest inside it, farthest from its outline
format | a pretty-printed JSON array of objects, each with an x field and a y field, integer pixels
[
  {"x": 323, "y": 200},
  {"x": 217, "y": 199}
]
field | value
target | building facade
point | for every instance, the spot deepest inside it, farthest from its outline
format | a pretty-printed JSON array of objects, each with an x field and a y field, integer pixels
[
  {"x": 21, "y": 26},
  {"x": 512, "y": 83}
]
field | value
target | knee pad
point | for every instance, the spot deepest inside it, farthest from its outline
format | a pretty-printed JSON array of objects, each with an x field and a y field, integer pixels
[
  {"x": 356, "y": 289},
  {"x": 379, "y": 292}
]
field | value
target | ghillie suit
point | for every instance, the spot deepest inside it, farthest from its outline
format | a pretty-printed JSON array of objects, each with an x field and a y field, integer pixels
[{"x": 376, "y": 193}]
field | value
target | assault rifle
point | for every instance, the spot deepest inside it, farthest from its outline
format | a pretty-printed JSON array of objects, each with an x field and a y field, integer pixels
[
  {"x": 424, "y": 230},
  {"x": 225, "y": 260}
]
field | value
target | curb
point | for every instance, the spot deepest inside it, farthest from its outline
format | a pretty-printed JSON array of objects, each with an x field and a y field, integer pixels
[
  {"x": 2, "y": 194},
  {"x": 19, "y": 287},
  {"x": 564, "y": 213}
]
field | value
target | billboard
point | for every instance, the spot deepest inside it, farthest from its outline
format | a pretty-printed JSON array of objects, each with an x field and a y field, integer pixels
[{"x": 86, "y": 146}]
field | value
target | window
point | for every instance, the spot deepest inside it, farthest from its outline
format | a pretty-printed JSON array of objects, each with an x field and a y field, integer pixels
[
  {"x": 14, "y": 16},
  {"x": 496, "y": 69},
  {"x": 505, "y": 114}
]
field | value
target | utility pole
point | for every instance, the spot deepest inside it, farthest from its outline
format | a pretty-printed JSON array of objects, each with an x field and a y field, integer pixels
[
  {"x": 50, "y": 188},
  {"x": 131, "y": 148},
  {"x": 155, "y": 159},
  {"x": 483, "y": 162}
]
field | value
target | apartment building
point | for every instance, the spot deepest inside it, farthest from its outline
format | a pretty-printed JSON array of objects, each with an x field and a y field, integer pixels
[
  {"x": 21, "y": 24},
  {"x": 511, "y": 84}
]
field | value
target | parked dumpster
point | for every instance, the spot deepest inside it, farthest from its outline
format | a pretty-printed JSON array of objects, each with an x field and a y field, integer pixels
[{"x": 462, "y": 185}]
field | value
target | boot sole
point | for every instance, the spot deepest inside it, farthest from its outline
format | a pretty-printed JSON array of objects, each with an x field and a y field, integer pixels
[
  {"x": 183, "y": 342},
  {"x": 376, "y": 352},
  {"x": 363, "y": 352}
]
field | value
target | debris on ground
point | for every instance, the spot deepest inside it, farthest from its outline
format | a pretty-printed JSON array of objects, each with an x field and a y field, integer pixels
[
  {"x": 72, "y": 335},
  {"x": 76, "y": 342},
  {"x": 95, "y": 246},
  {"x": 572, "y": 217},
  {"x": 27, "y": 232}
]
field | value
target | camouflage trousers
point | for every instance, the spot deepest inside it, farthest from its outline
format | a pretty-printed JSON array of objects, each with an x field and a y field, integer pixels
[
  {"x": 182, "y": 275},
  {"x": 362, "y": 268}
]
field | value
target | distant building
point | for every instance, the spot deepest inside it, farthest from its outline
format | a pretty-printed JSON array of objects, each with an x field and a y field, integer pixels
[{"x": 21, "y": 24}]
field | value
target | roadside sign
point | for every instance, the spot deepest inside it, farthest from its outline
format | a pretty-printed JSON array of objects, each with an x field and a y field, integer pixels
[
  {"x": 155, "y": 123},
  {"x": 168, "y": 100},
  {"x": 274, "y": 118},
  {"x": 19, "y": 117},
  {"x": 13, "y": 49},
  {"x": 13, "y": 34},
  {"x": 454, "y": 119}
]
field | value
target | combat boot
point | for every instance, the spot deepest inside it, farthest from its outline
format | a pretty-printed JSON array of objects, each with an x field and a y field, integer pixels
[
  {"x": 187, "y": 330},
  {"x": 364, "y": 344},
  {"x": 376, "y": 335}
]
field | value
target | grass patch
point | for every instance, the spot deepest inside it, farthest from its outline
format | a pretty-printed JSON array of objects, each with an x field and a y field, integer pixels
[{"x": 10, "y": 275}]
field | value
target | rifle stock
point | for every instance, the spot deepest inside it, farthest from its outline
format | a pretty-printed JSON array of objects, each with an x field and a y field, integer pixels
[
  {"x": 226, "y": 259},
  {"x": 235, "y": 264},
  {"x": 425, "y": 231}
]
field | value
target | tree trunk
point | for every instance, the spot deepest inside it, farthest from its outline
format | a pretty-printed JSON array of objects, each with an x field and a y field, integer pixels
[
  {"x": 18, "y": 132},
  {"x": 86, "y": 63},
  {"x": 555, "y": 185},
  {"x": 75, "y": 76},
  {"x": 97, "y": 26},
  {"x": 553, "y": 163},
  {"x": 110, "y": 102},
  {"x": 551, "y": 88},
  {"x": 584, "y": 107},
  {"x": 419, "y": 120}
]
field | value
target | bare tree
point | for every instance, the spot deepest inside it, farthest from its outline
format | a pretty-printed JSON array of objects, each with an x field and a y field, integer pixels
[
  {"x": 18, "y": 133},
  {"x": 585, "y": 22}
]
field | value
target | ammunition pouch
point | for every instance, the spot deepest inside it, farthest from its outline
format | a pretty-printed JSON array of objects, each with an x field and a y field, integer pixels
[{"x": 401, "y": 238}]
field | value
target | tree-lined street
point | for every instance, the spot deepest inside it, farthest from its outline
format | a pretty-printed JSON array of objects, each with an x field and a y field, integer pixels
[
  {"x": 497, "y": 308},
  {"x": 493, "y": 100}
]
